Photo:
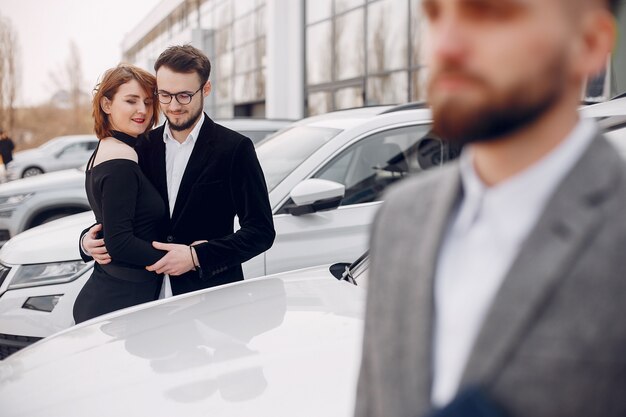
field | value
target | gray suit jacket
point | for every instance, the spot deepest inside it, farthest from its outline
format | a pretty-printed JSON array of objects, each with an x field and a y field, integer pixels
[{"x": 554, "y": 340}]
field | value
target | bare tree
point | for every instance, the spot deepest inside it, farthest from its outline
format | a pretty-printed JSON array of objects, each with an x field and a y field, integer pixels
[
  {"x": 9, "y": 74},
  {"x": 69, "y": 83}
]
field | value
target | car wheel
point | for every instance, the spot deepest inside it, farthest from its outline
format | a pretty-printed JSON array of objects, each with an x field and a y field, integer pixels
[{"x": 31, "y": 172}]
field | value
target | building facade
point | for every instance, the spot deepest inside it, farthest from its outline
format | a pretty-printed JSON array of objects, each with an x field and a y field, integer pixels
[{"x": 295, "y": 58}]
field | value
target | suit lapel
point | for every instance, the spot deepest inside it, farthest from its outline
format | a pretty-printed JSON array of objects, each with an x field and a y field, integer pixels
[
  {"x": 156, "y": 163},
  {"x": 569, "y": 221},
  {"x": 194, "y": 167},
  {"x": 423, "y": 260}
]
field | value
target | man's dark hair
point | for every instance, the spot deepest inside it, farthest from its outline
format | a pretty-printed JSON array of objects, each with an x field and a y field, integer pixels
[
  {"x": 185, "y": 59},
  {"x": 614, "y": 6}
]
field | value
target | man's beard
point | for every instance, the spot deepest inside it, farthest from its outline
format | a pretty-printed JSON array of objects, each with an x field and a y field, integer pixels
[
  {"x": 187, "y": 124},
  {"x": 500, "y": 113}
]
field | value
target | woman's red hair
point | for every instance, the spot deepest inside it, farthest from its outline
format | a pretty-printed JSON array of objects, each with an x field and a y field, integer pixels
[{"x": 111, "y": 82}]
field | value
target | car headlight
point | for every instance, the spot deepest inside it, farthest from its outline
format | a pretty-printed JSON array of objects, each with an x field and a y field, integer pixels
[
  {"x": 14, "y": 199},
  {"x": 35, "y": 275}
]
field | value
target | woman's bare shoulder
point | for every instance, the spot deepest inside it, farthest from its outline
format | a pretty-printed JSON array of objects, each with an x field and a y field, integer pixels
[{"x": 111, "y": 148}]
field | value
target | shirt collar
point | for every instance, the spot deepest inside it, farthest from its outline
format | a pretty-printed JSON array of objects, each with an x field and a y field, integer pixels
[
  {"x": 526, "y": 193},
  {"x": 193, "y": 135}
]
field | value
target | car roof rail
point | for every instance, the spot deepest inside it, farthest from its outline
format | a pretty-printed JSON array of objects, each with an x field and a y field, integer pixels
[{"x": 407, "y": 106}]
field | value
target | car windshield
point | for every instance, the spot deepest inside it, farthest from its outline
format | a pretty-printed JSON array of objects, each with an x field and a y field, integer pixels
[
  {"x": 284, "y": 151},
  {"x": 52, "y": 145}
]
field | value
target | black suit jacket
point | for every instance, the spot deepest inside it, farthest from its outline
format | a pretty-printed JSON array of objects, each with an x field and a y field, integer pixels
[{"x": 223, "y": 179}]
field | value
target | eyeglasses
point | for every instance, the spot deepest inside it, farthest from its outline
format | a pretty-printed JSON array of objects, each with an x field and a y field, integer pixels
[{"x": 183, "y": 97}]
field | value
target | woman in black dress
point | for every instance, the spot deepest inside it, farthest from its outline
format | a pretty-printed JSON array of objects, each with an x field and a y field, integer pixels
[{"x": 122, "y": 198}]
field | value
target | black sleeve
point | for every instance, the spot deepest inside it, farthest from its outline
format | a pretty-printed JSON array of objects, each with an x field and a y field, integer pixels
[
  {"x": 251, "y": 200},
  {"x": 84, "y": 256},
  {"x": 119, "y": 188}
]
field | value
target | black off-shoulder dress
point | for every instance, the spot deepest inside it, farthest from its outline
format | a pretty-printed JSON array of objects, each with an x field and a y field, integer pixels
[{"x": 130, "y": 210}]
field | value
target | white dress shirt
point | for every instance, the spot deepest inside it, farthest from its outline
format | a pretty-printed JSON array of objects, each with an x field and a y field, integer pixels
[
  {"x": 176, "y": 158},
  {"x": 483, "y": 238}
]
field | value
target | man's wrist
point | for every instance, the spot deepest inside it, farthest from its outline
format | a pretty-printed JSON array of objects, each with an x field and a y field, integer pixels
[{"x": 194, "y": 257}]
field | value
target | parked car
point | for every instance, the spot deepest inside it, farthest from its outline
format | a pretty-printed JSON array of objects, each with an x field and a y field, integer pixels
[
  {"x": 282, "y": 345},
  {"x": 33, "y": 201},
  {"x": 56, "y": 154},
  {"x": 325, "y": 175},
  {"x": 611, "y": 117},
  {"x": 29, "y": 202},
  {"x": 255, "y": 129}
]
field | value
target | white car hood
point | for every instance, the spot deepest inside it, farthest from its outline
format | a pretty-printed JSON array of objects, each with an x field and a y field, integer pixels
[
  {"x": 51, "y": 242},
  {"x": 53, "y": 180},
  {"x": 283, "y": 345}
]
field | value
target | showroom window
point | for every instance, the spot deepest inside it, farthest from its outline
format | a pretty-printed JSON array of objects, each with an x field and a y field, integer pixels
[{"x": 361, "y": 52}]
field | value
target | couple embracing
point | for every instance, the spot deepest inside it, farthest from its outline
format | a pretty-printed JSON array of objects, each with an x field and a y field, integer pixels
[{"x": 165, "y": 199}]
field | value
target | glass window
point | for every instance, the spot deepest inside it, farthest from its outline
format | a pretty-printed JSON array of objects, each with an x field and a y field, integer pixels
[
  {"x": 245, "y": 58},
  {"x": 259, "y": 86},
  {"x": 74, "y": 148},
  {"x": 261, "y": 53},
  {"x": 242, "y": 7},
  {"x": 243, "y": 88},
  {"x": 224, "y": 65},
  {"x": 343, "y": 5},
  {"x": 284, "y": 151},
  {"x": 222, "y": 90},
  {"x": 347, "y": 98},
  {"x": 261, "y": 22},
  {"x": 387, "y": 43},
  {"x": 418, "y": 85},
  {"x": 319, "y": 53},
  {"x": 249, "y": 87},
  {"x": 245, "y": 29},
  {"x": 317, "y": 10},
  {"x": 223, "y": 15},
  {"x": 350, "y": 45},
  {"x": 368, "y": 167},
  {"x": 224, "y": 112},
  {"x": 223, "y": 40},
  {"x": 418, "y": 34},
  {"x": 320, "y": 103},
  {"x": 388, "y": 89}
]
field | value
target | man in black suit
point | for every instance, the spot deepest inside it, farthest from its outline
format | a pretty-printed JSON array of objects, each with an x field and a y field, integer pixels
[{"x": 207, "y": 175}]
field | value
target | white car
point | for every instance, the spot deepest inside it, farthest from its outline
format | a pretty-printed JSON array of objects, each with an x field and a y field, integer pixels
[
  {"x": 56, "y": 154},
  {"x": 29, "y": 202},
  {"x": 282, "y": 345},
  {"x": 325, "y": 176},
  {"x": 32, "y": 201}
]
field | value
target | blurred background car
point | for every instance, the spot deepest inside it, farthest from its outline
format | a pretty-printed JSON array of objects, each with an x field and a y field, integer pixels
[
  {"x": 32, "y": 201},
  {"x": 60, "y": 153},
  {"x": 325, "y": 175},
  {"x": 255, "y": 129},
  {"x": 282, "y": 345}
]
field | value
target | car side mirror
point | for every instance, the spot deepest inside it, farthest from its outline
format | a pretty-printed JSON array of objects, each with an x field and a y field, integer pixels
[{"x": 313, "y": 195}]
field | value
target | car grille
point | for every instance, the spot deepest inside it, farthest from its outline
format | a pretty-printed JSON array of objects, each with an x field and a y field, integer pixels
[
  {"x": 10, "y": 343},
  {"x": 4, "y": 235},
  {"x": 4, "y": 271}
]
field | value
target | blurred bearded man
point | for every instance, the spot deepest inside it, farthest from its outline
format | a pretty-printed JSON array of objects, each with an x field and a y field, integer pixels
[{"x": 497, "y": 284}]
